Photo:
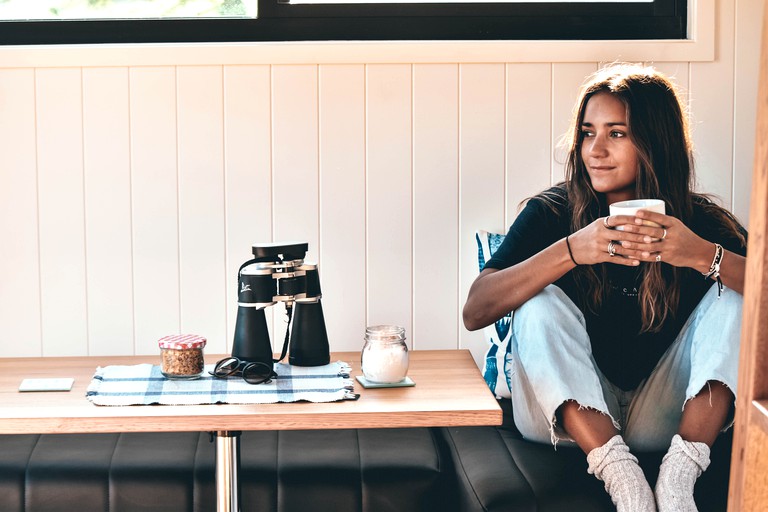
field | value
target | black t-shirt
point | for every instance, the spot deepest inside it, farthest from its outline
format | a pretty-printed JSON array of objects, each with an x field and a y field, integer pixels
[{"x": 624, "y": 354}]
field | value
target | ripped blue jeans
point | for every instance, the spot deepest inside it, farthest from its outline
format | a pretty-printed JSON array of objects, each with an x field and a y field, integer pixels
[{"x": 552, "y": 362}]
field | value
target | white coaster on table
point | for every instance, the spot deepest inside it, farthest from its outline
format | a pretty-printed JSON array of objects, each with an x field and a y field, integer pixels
[
  {"x": 63, "y": 384},
  {"x": 406, "y": 382}
]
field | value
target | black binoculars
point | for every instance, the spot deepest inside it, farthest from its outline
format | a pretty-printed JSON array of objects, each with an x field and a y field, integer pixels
[{"x": 278, "y": 273}]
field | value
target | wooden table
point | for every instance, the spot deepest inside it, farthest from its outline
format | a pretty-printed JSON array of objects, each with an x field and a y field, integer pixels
[{"x": 449, "y": 391}]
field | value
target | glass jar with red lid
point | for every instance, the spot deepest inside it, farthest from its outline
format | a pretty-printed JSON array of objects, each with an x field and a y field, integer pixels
[{"x": 182, "y": 356}]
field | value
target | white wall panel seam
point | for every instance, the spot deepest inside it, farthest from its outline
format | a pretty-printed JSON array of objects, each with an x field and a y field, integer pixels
[
  {"x": 270, "y": 115},
  {"x": 272, "y": 152},
  {"x": 225, "y": 217},
  {"x": 552, "y": 113},
  {"x": 85, "y": 213},
  {"x": 319, "y": 167},
  {"x": 413, "y": 207},
  {"x": 458, "y": 207},
  {"x": 366, "y": 305},
  {"x": 37, "y": 195},
  {"x": 131, "y": 209},
  {"x": 225, "y": 202},
  {"x": 506, "y": 144},
  {"x": 178, "y": 197},
  {"x": 272, "y": 313}
]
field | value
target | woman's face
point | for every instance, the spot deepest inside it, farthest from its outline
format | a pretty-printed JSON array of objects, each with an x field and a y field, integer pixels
[{"x": 609, "y": 155}]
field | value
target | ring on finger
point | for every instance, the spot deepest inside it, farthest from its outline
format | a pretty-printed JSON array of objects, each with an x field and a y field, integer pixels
[
  {"x": 605, "y": 222},
  {"x": 664, "y": 235},
  {"x": 658, "y": 257},
  {"x": 611, "y": 249}
]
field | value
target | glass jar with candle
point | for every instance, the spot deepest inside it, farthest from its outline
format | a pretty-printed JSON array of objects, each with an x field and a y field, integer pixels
[{"x": 385, "y": 355}]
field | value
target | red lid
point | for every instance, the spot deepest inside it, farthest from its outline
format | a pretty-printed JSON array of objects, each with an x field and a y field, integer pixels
[{"x": 181, "y": 341}]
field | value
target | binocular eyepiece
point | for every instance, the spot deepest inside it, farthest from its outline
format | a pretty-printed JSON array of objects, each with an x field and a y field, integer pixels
[{"x": 278, "y": 273}]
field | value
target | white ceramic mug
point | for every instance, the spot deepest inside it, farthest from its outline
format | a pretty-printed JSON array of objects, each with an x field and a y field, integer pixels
[{"x": 632, "y": 206}]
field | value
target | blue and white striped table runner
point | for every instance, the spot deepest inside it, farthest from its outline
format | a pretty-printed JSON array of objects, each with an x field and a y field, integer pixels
[{"x": 144, "y": 384}]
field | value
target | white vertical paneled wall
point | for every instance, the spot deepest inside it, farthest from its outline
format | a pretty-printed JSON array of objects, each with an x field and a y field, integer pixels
[
  {"x": 388, "y": 195},
  {"x": 130, "y": 195},
  {"x": 247, "y": 172},
  {"x": 107, "y": 190},
  {"x": 342, "y": 93},
  {"x": 435, "y": 204},
  {"x": 154, "y": 206},
  {"x": 61, "y": 212},
  {"x": 20, "y": 277}
]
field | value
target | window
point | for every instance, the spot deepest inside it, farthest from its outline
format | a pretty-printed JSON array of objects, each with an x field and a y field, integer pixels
[
  {"x": 21, "y": 10},
  {"x": 349, "y": 20}
]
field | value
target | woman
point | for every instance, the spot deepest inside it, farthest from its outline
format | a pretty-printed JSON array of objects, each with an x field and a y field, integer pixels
[{"x": 625, "y": 333}]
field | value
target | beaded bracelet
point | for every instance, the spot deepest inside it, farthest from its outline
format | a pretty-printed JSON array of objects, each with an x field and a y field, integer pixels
[{"x": 714, "y": 268}]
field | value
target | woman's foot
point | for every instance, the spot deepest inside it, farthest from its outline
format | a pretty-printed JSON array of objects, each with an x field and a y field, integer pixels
[
  {"x": 623, "y": 477},
  {"x": 681, "y": 466}
]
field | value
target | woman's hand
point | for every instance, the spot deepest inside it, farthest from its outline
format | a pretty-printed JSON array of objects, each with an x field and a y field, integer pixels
[
  {"x": 654, "y": 237},
  {"x": 600, "y": 242}
]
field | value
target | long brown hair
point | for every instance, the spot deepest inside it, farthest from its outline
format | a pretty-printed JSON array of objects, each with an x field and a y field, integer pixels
[{"x": 658, "y": 128}]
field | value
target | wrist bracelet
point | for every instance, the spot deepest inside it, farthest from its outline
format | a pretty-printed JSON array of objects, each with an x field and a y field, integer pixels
[
  {"x": 714, "y": 268},
  {"x": 570, "y": 253}
]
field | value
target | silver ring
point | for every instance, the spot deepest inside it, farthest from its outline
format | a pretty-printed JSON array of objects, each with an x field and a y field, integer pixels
[
  {"x": 611, "y": 249},
  {"x": 605, "y": 222},
  {"x": 658, "y": 257},
  {"x": 665, "y": 234}
]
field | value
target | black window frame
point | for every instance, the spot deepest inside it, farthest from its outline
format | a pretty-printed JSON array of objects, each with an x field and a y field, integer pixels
[{"x": 278, "y": 20}]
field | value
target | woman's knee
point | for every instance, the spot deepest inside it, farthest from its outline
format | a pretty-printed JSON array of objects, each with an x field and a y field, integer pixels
[{"x": 551, "y": 302}]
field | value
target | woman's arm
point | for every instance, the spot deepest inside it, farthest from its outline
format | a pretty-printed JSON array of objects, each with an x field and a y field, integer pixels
[
  {"x": 732, "y": 271},
  {"x": 497, "y": 292},
  {"x": 732, "y": 266}
]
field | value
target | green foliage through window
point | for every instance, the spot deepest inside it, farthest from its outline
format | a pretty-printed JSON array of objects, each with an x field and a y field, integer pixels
[{"x": 124, "y": 9}]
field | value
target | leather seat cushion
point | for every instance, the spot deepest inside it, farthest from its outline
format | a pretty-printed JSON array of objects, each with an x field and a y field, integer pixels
[
  {"x": 497, "y": 470},
  {"x": 324, "y": 470}
]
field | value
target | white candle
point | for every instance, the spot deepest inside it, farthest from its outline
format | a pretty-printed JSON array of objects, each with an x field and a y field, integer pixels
[{"x": 385, "y": 354}]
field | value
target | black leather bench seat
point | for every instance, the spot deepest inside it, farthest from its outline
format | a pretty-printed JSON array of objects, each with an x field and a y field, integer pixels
[
  {"x": 462, "y": 469},
  {"x": 497, "y": 470},
  {"x": 323, "y": 470}
]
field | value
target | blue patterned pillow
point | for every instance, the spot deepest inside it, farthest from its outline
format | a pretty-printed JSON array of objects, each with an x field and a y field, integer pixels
[{"x": 497, "y": 334}]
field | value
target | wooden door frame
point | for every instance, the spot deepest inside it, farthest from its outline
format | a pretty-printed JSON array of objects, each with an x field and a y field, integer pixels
[{"x": 749, "y": 460}]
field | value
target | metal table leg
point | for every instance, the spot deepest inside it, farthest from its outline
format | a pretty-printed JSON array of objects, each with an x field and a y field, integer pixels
[{"x": 227, "y": 468}]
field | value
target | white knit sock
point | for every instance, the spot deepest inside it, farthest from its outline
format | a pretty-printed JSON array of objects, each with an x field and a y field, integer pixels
[
  {"x": 624, "y": 479},
  {"x": 680, "y": 467}
]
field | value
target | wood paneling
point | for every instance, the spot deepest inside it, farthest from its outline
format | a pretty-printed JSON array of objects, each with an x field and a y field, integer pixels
[
  {"x": 154, "y": 203},
  {"x": 389, "y": 186},
  {"x": 107, "y": 175},
  {"x": 201, "y": 202},
  {"x": 713, "y": 153},
  {"x": 566, "y": 80},
  {"x": 20, "y": 312},
  {"x": 483, "y": 134},
  {"x": 342, "y": 203},
  {"x": 247, "y": 172},
  {"x": 61, "y": 212},
  {"x": 435, "y": 204},
  {"x": 528, "y": 118},
  {"x": 137, "y": 191}
]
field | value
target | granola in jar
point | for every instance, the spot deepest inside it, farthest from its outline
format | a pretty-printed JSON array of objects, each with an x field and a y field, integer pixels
[{"x": 182, "y": 356}]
